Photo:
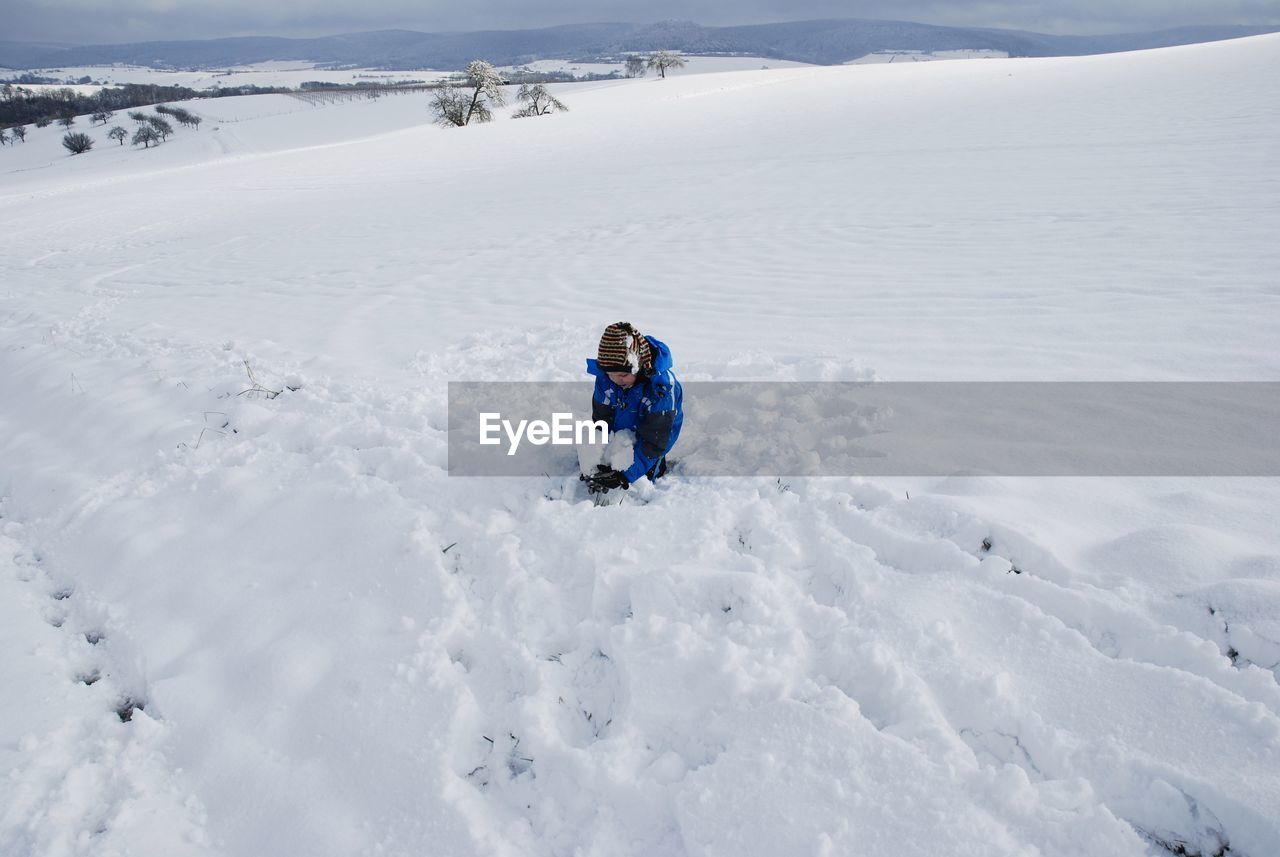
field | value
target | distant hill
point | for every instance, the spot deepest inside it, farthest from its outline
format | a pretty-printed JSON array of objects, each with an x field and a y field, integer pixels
[
  {"x": 822, "y": 42},
  {"x": 27, "y": 54}
]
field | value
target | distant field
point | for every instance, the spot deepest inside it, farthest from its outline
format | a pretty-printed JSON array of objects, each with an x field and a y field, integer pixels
[{"x": 294, "y": 74}]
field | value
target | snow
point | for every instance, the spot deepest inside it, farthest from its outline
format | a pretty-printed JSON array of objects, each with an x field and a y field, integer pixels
[
  {"x": 616, "y": 453},
  {"x": 926, "y": 56},
  {"x": 338, "y": 648}
]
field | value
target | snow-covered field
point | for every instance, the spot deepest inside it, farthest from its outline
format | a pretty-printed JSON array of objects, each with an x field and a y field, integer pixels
[
  {"x": 324, "y": 645},
  {"x": 294, "y": 74},
  {"x": 692, "y": 65},
  {"x": 290, "y": 74},
  {"x": 923, "y": 56}
]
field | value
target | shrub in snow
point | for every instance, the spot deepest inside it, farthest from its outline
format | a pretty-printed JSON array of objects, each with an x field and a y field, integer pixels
[
  {"x": 537, "y": 101},
  {"x": 19, "y": 133},
  {"x": 4, "y": 136},
  {"x": 118, "y": 134},
  {"x": 77, "y": 143},
  {"x": 664, "y": 60},
  {"x": 67, "y": 121},
  {"x": 461, "y": 105},
  {"x": 43, "y": 122}
]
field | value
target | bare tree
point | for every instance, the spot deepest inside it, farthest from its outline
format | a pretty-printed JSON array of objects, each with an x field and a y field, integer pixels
[
  {"x": 146, "y": 135},
  {"x": 456, "y": 105},
  {"x": 162, "y": 127},
  {"x": 118, "y": 134},
  {"x": 102, "y": 116},
  {"x": 664, "y": 60},
  {"x": 43, "y": 122},
  {"x": 449, "y": 104},
  {"x": 537, "y": 101},
  {"x": 636, "y": 66},
  {"x": 77, "y": 143},
  {"x": 67, "y": 121},
  {"x": 177, "y": 113},
  {"x": 19, "y": 133},
  {"x": 138, "y": 116},
  {"x": 4, "y": 136}
]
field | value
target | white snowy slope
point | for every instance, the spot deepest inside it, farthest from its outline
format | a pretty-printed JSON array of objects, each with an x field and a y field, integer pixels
[{"x": 324, "y": 645}]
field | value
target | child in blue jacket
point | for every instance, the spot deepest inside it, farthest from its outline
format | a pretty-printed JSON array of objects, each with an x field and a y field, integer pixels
[{"x": 636, "y": 389}]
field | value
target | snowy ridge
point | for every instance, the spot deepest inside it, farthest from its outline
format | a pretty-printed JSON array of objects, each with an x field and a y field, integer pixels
[{"x": 223, "y": 438}]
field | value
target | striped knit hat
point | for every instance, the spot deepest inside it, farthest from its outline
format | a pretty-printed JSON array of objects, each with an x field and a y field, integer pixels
[{"x": 624, "y": 349}]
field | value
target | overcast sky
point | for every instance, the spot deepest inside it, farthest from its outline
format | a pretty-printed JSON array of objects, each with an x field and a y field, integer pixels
[{"x": 107, "y": 21}]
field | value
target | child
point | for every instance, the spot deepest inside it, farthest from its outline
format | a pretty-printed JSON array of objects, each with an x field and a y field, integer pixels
[{"x": 635, "y": 389}]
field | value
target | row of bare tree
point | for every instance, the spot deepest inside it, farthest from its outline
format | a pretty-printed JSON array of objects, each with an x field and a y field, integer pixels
[
  {"x": 151, "y": 130},
  {"x": 473, "y": 99}
]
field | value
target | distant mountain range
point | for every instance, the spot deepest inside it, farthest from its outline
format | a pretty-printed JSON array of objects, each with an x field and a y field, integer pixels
[{"x": 823, "y": 42}]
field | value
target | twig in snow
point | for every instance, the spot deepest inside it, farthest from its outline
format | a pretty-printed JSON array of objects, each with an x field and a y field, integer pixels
[
  {"x": 208, "y": 428},
  {"x": 257, "y": 385}
]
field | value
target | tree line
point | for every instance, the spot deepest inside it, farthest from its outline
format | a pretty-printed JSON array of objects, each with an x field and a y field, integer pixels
[{"x": 22, "y": 106}]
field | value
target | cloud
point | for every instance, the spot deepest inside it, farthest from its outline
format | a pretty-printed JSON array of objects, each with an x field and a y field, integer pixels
[{"x": 107, "y": 21}]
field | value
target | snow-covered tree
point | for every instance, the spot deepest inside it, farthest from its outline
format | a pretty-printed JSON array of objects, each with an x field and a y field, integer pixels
[
  {"x": 76, "y": 143},
  {"x": 636, "y": 66},
  {"x": 102, "y": 116},
  {"x": 663, "y": 60},
  {"x": 462, "y": 105},
  {"x": 118, "y": 134},
  {"x": 146, "y": 135},
  {"x": 537, "y": 101}
]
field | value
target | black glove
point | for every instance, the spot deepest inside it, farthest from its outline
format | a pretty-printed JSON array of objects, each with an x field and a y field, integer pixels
[{"x": 606, "y": 479}]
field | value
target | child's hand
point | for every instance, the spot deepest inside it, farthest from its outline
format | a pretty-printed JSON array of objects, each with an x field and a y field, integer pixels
[{"x": 607, "y": 479}]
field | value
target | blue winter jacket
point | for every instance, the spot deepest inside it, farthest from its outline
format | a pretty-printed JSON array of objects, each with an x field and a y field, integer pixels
[{"x": 653, "y": 408}]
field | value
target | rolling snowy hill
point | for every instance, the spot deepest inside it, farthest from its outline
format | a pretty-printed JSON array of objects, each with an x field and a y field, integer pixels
[{"x": 236, "y": 622}]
